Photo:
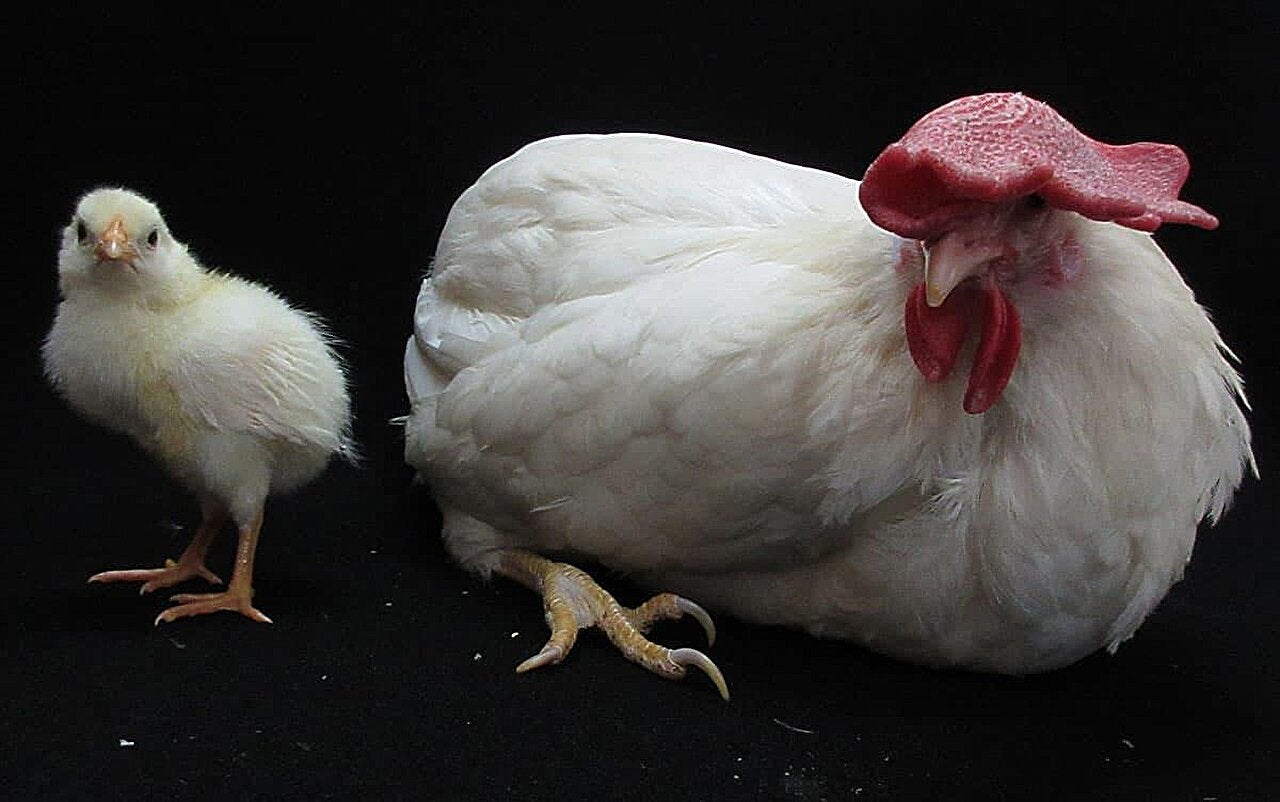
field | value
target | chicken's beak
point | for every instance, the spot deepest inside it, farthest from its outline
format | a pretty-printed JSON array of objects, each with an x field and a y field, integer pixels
[
  {"x": 954, "y": 257},
  {"x": 113, "y": 243}
]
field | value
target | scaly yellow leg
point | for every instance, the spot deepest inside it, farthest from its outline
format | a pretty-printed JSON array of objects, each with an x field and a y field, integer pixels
[{"x": 573, "y": 601}]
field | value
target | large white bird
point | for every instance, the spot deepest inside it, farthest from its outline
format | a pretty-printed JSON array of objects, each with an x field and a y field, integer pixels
[
  {"x": 236, "y": 393},
  {"x": 966, "y": 412}
]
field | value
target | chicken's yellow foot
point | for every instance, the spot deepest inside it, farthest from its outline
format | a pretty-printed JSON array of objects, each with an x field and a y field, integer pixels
[{"x": 574, "y": 601}]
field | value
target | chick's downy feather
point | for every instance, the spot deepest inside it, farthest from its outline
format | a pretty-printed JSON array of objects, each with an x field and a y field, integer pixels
[
  {"x": 234, "y": 391},
  {"x": 690, "y": 363}
]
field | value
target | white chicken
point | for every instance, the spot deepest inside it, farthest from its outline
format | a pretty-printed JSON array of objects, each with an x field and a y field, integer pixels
[
  {"x": 731, "y": 377},
  {"x": 236, "y": 393}
]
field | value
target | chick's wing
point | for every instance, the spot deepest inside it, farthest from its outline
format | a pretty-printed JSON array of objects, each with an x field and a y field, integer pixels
[{"x": 252, "y": 364}]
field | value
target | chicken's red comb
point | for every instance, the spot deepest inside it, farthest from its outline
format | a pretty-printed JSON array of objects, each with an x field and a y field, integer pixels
[{"x": 1001, "y": 146}]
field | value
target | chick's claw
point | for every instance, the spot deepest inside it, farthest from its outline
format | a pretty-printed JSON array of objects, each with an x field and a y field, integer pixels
[
  {"x": 189, "y": 604},
  {"x": 156, "y": 578}
]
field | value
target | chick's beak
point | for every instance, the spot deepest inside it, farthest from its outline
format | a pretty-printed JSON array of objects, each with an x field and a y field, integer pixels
[
  {"x": 113, "y": 243},
  {"x": 955, "y": 257}
]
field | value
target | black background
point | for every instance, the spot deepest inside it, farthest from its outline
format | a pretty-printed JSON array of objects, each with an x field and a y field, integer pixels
[{"x": 319, "y": 151}]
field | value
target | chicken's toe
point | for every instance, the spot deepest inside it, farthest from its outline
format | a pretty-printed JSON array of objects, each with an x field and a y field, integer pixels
[{"x": 669, "y": 607}]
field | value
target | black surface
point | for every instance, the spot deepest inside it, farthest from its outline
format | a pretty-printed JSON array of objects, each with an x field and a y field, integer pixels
[{"x": 319, "y": 152}]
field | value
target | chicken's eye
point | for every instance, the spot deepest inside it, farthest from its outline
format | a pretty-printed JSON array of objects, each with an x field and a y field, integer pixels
[
  {"x": 1035, "y": 201},
  {"x": 82, "y": 232},
  {"x": 153, "y": 237}
]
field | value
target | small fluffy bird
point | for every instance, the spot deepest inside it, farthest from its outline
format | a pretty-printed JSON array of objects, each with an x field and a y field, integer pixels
[
  {"x": 235, "y": 392},
  {"x": 964, "y": 412}
]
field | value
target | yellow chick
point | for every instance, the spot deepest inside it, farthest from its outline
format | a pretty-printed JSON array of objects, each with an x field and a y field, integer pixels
[{"x": 236, "y": 393}]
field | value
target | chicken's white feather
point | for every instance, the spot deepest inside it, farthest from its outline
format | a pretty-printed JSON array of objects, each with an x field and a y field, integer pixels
[{"x": 689, "y": 363}]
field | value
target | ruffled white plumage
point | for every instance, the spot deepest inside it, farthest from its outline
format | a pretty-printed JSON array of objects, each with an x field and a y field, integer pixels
[{"x": 688, "y": 362}]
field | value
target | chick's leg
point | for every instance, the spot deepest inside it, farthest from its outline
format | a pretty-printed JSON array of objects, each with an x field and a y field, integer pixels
[
  {"x": 574, "y": 601},
  {"x": 189, "y": 565},
  {"x": 238, "y": 596}
]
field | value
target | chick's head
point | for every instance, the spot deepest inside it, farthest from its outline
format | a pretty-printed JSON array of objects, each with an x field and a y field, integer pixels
[{"x": 117, "y": 245}]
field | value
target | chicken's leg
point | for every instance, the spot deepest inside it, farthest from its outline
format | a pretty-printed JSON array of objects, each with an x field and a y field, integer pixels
[
  {"x": 238, "y": 596},
  {"x": 191, "y": 564},
  {"x": 573, "y": 601}
]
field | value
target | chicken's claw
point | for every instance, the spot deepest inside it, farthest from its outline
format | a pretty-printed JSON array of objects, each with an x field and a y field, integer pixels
[
  {"x": 668, "y": 607},
  {"x": 549, "y": 656},
  {"x": 693, "y": 657},
  {"x": 574, "y": 601}
]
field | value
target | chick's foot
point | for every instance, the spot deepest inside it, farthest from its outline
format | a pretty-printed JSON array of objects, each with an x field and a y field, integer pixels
[
  {"x": 574, "y": 601},
  {"x": 156, "y": 578},
  {"x": 236, "y": 600}
]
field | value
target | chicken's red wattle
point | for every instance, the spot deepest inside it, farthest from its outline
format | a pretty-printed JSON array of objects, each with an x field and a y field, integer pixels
[{"x": 935, "y": 335}]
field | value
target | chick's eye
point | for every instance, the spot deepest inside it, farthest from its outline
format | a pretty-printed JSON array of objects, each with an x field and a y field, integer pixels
[
  {"x": 1035, "y": 202},
  {"x": 153, "y": 237},
  {"x": 82, "y": 233}
]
